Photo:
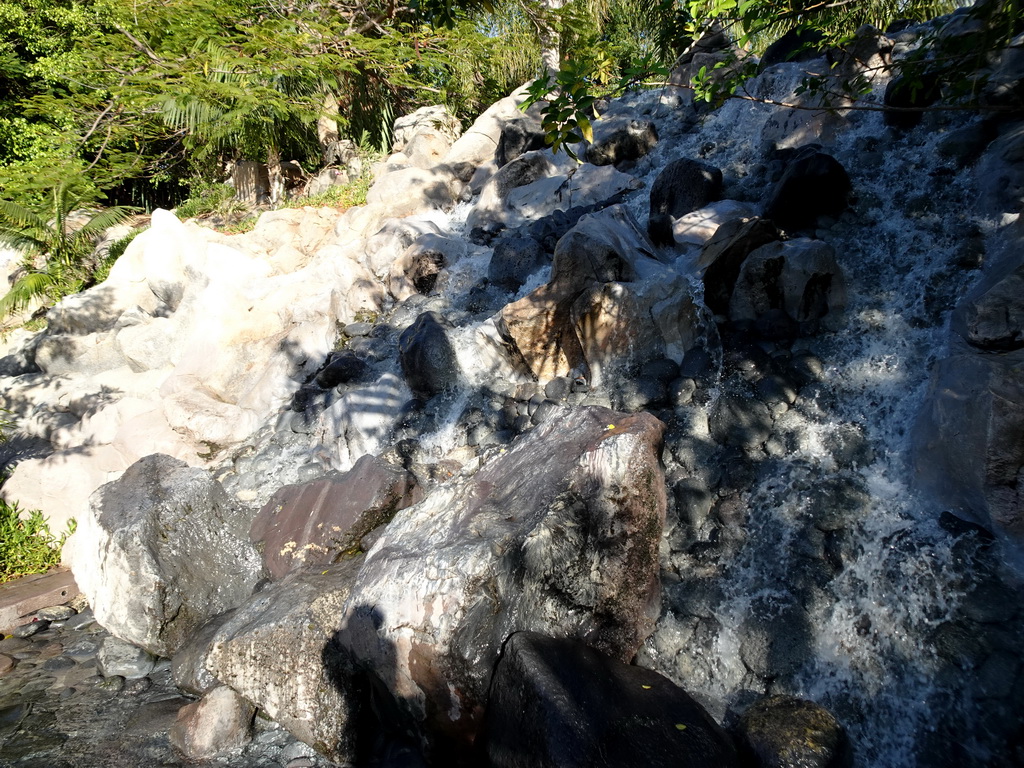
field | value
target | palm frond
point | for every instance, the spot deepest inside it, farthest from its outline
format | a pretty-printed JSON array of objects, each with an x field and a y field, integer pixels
[
  {"x": 25, "y": 290},
  {"x": 21, "y": 218}
]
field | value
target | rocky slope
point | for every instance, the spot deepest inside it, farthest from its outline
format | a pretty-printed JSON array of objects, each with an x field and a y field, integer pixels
[{"x": 696, "y": 403}]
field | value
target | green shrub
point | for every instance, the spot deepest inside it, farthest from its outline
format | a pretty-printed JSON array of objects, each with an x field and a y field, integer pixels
[{"x": 26, "y": 545}]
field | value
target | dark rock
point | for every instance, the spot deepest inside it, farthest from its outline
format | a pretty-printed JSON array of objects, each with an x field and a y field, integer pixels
[
  {"x": 513, "y": 260},
  {"x": 723, "y": 255},
  {"x": 814, "y": 184},
  {"x": 31, "y": 628},
  {"x": 991, "y": 318},
  {"x": 799, "y": 44},
  {"x": 558, "y": 388},
  {"x": 775, "y": 641},
  {"x": 619, "y": 139},
  {"x": 518, "y": 136},
  {"x": 685, "y": 185},
  {"x": 557, "y": 703},
  {"x": 427, "y": 357},
  {"x": 343, "y": 368},
  {"x": 188, "y": 667},
  {"x": 793, "y": 287},
  {"x": 908, "y": 95},
  {"x": 740, "y": 421},
  {"x": 321, "y": 521},
  {"x": 171, "y": 551},
  {"x": 785, "y": 732}
]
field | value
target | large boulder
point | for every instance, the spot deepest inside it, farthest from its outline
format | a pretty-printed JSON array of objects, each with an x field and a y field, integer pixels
[
  {"x": 518, "y": 136},
  {"x": 275, "y": 651},
  {"x": 427, "y": 356},
  {"x": 969, "y": 439},
  {"x": 415, "y": 190},
  {"x": 814, "y": 184},
  {"x": 789, "y": 288},
  {"x": 784, "y": 732},
  {"x": 162, "y": 551},
  {"x": 991, "y": 317},
  {"x": 433, "y": 119},
  {"x": 557, "y": 535},
  {"x": 619, "y": 139},
  {"x": 724, "y": 254},
  {"x": 513, "y": 260},
  {"x": 555, "y": 703},
  {"x": 685, "y": 185},
  {"x": 320, "y": 521}
]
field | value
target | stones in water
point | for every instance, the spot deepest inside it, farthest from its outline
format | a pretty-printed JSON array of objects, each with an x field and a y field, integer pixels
[
  {"x": 344, "y": 367},
  {"x": 786, "y": 732},
  {"x": 619, "y": 139},
  {"x": 724, "y": 254},
  {"x": 513, "y": 260},
  {"x": 558, "y": 702},
  {"x": 220, "y": 722},
  {"x": 122, "y": 659}
]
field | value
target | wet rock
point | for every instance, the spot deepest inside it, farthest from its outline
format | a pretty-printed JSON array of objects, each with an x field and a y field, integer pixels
[
  {"x": 122, "y": 659},
  {"x": 418, "y": 268},
  {"x": 6, "y": 664},
  {"x": 344, "y": 367},
  {"x": 619, "y": 139},
  {"x": 969, "y": 439},
  {"x": 775, "y": 641},
  {"x": 789, "y": 288},
  {"x": 354, "y": 429},
  {"x": 56, "y": 613},
  {"x": 991, "y": 317},
  {"x": 798, "y": 44},
  {"x": 320, "y": 521},
  {"x": 219, "y": 723},
  {"x": 740, "y": 421},
  {"x": 814, "y": 184},
  {"x": 685, "y": 185},
  {"x": 513, "y": 260},
  {"x": 517, "y": 546},
  {"x": 188, "y": 667},
  {"x": 785, "y": 732},
  {"x": 723, "y": 255},
  {"x": 275, "y": 652},
  {"x": 557, "y": 702},
  {"x": 427, "y": 357},
  {"x": 163, "y": 550}
]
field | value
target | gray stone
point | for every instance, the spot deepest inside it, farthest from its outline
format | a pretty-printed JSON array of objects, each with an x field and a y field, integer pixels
[
  {"x": 513, "y": 260},
  {"x": 56, "y": 613},
  {"x": 162, "y": 551},
  {"x": 277, "y": 652},
  {"x": 427, "y": 357},
  {"x": 217, "y": 724},
  {"x": 188, "y": 667},
  {"x": 559, "y": 534},
  {"x": 621, "y": 138},
  {"x": 991, "y": 317},
  {"x": 685, "y": 185},
  {"x": 119, "y": 658}
]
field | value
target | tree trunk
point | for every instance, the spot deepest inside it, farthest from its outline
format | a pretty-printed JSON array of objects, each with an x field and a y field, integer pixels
[
  {"x": 549, "y": 38},
  {"x": 274, "y": 176}
]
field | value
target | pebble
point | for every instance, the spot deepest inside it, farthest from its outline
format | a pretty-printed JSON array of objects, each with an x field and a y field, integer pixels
[
  {"x": 6, "y": 664},
  {"x": 32, "y": 628},
  {"x": 58, "y": 664},
  {"x": 56, "y": 613},
  {"x": 12, "y": 644},
  {"x": 80, "y": 621}
]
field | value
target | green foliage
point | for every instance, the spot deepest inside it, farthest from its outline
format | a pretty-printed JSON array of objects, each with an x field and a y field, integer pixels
[
  {"x": 206, "y": 199},
  {"x": 62, "y": 244},
  {"x": 26, "y": 545}
]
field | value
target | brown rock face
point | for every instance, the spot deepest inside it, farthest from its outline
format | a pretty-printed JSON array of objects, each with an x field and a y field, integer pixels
[
  {"x": 558, "y": 535},
  {"x": 538, "y": 327},
  {"x": 321, "y": 520}
]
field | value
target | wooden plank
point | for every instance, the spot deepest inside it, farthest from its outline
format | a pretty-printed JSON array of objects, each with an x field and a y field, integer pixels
[{"x": 23, "y": 596}]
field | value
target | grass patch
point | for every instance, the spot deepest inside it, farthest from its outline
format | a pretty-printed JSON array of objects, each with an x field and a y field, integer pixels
[
  {"x": 341, "y": 196},
  {"x": 27, "y": 546}
]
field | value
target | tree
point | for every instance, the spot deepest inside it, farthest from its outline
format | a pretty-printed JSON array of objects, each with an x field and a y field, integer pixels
[{"x": 62, "y": 245}]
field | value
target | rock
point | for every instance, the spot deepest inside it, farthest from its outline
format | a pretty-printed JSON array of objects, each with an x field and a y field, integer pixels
[
  {"x": 388, "y": 244},
  {"x": 427, "y": 357},
  {"x": 559, "y": 535},
  {"x": 188, "y": 667},
  {"x": 85, "y": 355},
  {"x": 434, "y": 119},
  {"x": 969, "y": 439},
  {"x": 118, "y": 658},
  {"x": 814, "y": 184},
  {"x": 724, "y": 254},
  {"x": 556, "y": 702},
  {"x": 740, "y": 421},
  {"x": 991, "y": 317},
  {"x": 698, "y": 227},
  {"x": 514, "y": 259},
  {"x": 56, "y": 613},
  {"x": 999, "y": 171},
  {"x": 6, "y": 664},
  {"x": 621, "y": 138},
  {"x": 353, "y": 429},
  {"x": 416, "y": 270},
  {"x": 321, "y": 521},
  {"x": 537, "y": 329},
  {"x": 1005, "y": 88},
  {"x": 416, "y": 190},
  {"x": 685, "y": 185},
  {"x": 29, "y": 629},
  {"x": 519, "y": 136},
  {"x": 161, "y": 552},
  {"x": 798, "y": 44},
  {"x": 275, "y": 652},
  {"x": 478, "y": 144},
  {"x": 217, "y": 724},
  {"x": 344, "y": 367},
  {"x": 789, "y": 288},
  {"x": 785, "y": 732},
  {"x": 907, "y": 95}
]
